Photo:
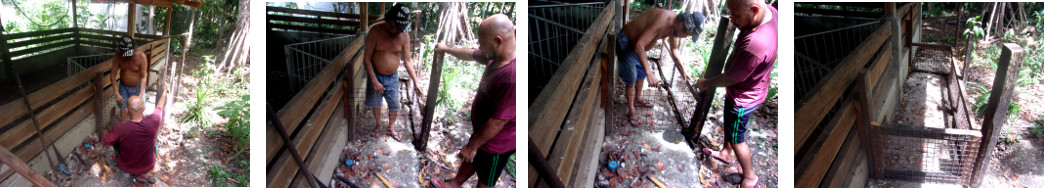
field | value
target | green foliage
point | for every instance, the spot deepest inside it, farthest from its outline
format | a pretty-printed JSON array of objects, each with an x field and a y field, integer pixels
[
  {"x": 974, "y": 30},
  {"x": 238, "y": 114},
  {"x": 1009, "y": 36},
  {"x": 221, "y": 176},
  {"x": 37, "y": 15},
  {"x": 197, "y": 109},
  {"x": 1010, "y": 137},
  {"x": 1038, "y": 126},
  {"x": 979, "y": 106}
]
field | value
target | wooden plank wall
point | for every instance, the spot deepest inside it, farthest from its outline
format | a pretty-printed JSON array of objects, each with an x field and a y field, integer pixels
[
  {"x": 307, "y": 117},
  {"x": 313, "y": 21},
  {"x": 59, "y": 107},
  {"x": 871, "y": 81},
  {"x": 574, "y": 87}
]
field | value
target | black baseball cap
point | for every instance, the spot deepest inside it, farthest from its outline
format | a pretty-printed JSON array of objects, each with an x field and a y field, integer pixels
[
  {"x": 126, "y": 46},
  {"x": 398, "y": 16}
]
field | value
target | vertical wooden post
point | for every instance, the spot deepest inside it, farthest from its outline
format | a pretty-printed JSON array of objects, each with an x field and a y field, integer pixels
[
  {"x": 75, "y": 25},
  {"x": 722, "y": 43},
  {"x": 382, "y": 8},
  {"x": 430, "y": 103},
  {"x": 99, "y": 96},
  {"x": 130, "y": 19},
  {"x": 166, "y": 27},
  {"x": 997, "y": 109},
  {"x": 364, "y": 17}
]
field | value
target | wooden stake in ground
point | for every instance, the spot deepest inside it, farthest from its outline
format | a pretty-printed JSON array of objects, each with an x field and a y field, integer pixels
[
  {"x": 722, "y": 43},
  {"x": 997, "y": 109}
]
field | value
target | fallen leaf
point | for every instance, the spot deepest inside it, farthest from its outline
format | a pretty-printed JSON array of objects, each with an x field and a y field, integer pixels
[
  {"x": 386, "y": 166},
  {"x": 659, "y": 165},
  {"x": 646, "y": 144}
]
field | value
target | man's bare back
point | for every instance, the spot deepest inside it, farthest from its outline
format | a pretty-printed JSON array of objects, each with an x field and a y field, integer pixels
[
  {"x": 656, "y": 21},
  {"x": 131, "y": 69},
  {"x": 386, "y": 49}
]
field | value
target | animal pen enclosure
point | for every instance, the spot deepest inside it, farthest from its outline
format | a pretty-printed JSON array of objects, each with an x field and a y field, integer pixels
[
  {"x": 867, "y": 106},
  {"x": 65, "y": 111}
]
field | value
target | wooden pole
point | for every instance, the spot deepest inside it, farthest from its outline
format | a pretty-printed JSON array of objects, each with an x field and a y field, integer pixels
[
  {"x": 293, "y": 150},
  {"x": 722, "y": 43},
  {"x": 166, "y": 27},
  {"x": 430, "y": 103},
  {"x": 99, "y": 96},
  {"x": 130, "y": 19},
  {"x": 75, "y": 25},
  {"x": 997, "y": 109},
  {"x": 19, "y": 166},
  {"x": 364, "y": 17}
]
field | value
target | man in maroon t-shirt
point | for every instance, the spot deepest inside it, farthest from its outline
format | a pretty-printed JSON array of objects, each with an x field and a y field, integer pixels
[
  {"x": 493, "y": 110},
  {"x": 135, "y": 140},
  {"x": 746, "y": 77}
]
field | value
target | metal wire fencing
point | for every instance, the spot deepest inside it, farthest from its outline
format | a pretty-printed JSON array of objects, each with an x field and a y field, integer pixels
[
  {"x": 305, "y": 60},
  {"x": 817, "y": 54},
  {"x": 553, "y": 31}
]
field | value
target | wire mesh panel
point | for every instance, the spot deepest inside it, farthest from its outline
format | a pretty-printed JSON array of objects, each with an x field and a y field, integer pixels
[
  {"x": 817, "y": 54},
  {"x": 305, "y": 60},
  {"x": 928, "y": 155},
  {"x": 79, "y": 63},
  {"x": 553, "y": 31}
]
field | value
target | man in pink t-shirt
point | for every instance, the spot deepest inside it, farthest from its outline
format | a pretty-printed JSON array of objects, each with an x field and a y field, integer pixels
[
  {"x": 135, "y": 140},
  {"x": 746, "y": 77},
  {"x": 493, "y": 110}
]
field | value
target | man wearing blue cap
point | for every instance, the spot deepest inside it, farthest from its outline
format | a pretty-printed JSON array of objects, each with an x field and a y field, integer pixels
[
  {"x": 640, "y": 35},
  {"x": 133, "y": 71},
  {"x": 385, "y": 42}
]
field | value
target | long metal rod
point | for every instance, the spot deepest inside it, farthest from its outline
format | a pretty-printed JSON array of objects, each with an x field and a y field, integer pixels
[
  {"x": 293, "y": 151},
  {"x": 536, "y": 158}
]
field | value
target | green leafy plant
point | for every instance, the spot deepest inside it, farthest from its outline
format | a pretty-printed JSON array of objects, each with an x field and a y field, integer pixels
[
  {"x": 979, "y": 106},
  {"x": 222, "y": 176},
  {"x": 197, "y": 109},
  {"x": 238, "y": 126},
  {"x": 1010, "y": 137}
]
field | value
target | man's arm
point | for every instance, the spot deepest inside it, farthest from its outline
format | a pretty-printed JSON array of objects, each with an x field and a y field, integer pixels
[
  {"x": 674, "y": 45},
  {"x": 368, "y": 63},
  {"x": 645, "y": 38},
  {"x": 409, "y": 61},
  {"x": 112, "y": 77},
  {"x": 144, "y": 74},
  {"x": 163, "y": 96},
  {"x": 459, "y": 53},
  {"x": 489, "y": 130},
  {"x": 721, "y": 80}
]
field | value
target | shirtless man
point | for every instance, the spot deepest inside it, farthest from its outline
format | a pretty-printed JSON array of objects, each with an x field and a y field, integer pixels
[
  {"x": 385, "y": 43},
  {"x": 640, "y": 35},
  {"x": 133, "y": 71}
]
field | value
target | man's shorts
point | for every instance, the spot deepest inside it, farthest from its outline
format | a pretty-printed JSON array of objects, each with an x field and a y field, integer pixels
[
  {"x": 488, "y": 166},
  {"x": 391, "y": 92},
  {"x": 736, "y": 118},
  {"x": 630, "y": 68},
  {"x": 127, "y": 91}
]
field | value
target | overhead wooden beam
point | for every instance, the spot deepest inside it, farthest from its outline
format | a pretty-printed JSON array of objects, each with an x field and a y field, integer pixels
[
  {"x": 722, "y": 43},
  {"x": 997, "y": 109}
]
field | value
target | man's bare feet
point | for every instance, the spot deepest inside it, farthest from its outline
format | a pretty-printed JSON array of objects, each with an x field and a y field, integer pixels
[
  {"x": 723, "y": 156},
  {"x": 750, "y": 183},
  {"x": 395, "y": 136},
  {"x": 642, "y": 104}
]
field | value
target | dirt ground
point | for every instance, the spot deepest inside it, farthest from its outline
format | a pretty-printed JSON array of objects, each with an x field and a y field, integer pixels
[
  {"x": 656, "y": 149},
  {"x": 1013, "y": 164},
  {"x": 398, "y": 162},
  {"x": 181, "y": 160}
]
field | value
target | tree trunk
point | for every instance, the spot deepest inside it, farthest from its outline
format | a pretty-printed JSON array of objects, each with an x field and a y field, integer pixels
[
  {"x": 238, "y": 52},
  {"x": 989, "y": 25}
]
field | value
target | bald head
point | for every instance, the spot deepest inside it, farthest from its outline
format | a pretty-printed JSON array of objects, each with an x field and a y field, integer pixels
[
  {"x": 497, "y": 25},
  {"x": 746, "y": 13},
  {"x": 135, "y": 105},
  {"x": 497, "y": 37}
]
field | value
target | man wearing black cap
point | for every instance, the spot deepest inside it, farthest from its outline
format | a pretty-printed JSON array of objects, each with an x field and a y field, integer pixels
[
  {"x": 385, "y": 42},
  {"x": 133, "y": 71},
  {"x": 640, "y": 35}
]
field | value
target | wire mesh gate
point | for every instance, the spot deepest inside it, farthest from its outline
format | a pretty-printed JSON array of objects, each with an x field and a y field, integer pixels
[
  {"x": 817, "y": 54},
  {"x": 305, "y": 60},
  {"x": 554, "y": 30},
  {"x": 931, "y": 154},
  {"x": 79, "y": 63}
]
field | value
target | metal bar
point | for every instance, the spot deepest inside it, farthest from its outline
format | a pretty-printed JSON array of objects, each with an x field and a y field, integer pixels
[
  {"x": 293, "y": 151},
  {"x": 722, "y": 43},
  {"x": 544, "y": 172}
]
